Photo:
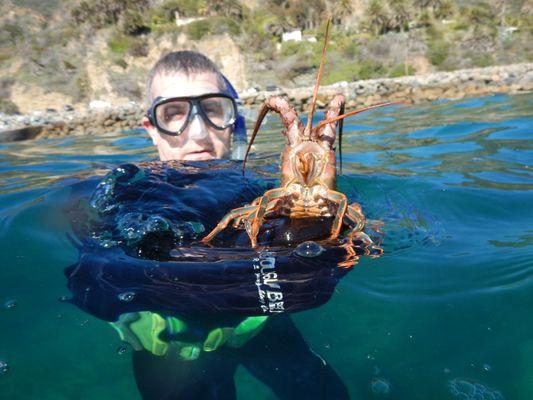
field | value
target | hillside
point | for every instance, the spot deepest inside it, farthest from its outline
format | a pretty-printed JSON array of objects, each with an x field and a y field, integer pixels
[{"x": 58, "y": 52}]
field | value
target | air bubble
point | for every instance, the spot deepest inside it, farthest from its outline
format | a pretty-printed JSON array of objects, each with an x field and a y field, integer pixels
[
  {"x": 63, "y": 298},
  {"x": 4, "y": 367},
  {"x": 9, "y": 304},
  {"x": 309, "y": 249},
  {"x": 127, "y": 297},
  {"x": 106, "y": 244},
  {"x": 131, "y": 227},
  {"x": 156, "y": 223},
  {"x": 128, "y": 174},
  {"x": 196, "y": 227},
  {"x": 380, "y": 386}
]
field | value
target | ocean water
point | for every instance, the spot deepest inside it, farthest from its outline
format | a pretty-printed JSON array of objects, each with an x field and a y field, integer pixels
[{"x": 444, "y": 313}]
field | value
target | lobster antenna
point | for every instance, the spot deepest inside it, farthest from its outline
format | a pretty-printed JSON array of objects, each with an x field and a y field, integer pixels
[
  {"x": 341, "y": 126},
  {"x": 318, "y": 78},
  {"x": 360, "y": 110},
  {"x": 260, "y": 117}
]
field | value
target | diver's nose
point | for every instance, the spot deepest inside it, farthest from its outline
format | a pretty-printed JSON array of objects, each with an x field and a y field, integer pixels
[{"x": 197, "y": 128}]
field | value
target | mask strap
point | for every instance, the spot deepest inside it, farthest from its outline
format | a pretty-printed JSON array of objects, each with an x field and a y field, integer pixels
[{"x": 239, "y": 130}]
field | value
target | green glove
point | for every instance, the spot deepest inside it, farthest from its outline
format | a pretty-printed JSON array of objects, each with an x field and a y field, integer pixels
[{"x": 142, "y": 331}]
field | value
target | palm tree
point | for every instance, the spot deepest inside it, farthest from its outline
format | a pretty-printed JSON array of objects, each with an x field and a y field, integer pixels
[
  {"x": 400, "y": 15},
  {"x": 377, "y": 17},
  {"x": 338, "y": 9},
  {"x": 227, "y": 8}
]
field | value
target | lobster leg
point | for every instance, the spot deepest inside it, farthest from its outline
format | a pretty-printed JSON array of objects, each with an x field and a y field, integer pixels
[
  {"x": 342, "y": 201},
  {"x": 233, "y": 214},
  {"x": 237, "y": 223},
  {"x": 355, "y": 215},
  {"x": 269, "y": 196},
  {"x": 357, "y": 222}
]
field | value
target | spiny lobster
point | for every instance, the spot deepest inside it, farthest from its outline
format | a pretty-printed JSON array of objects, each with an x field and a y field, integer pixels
[{"x": 308, "y": 171}]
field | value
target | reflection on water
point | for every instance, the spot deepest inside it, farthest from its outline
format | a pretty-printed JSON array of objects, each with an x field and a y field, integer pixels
[
  {"x": 444, "y": 313},
  {"x": 139, "y": 239}
]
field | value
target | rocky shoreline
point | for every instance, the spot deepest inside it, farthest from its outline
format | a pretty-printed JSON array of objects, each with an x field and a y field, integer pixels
[{"x": 99, "y": 117}]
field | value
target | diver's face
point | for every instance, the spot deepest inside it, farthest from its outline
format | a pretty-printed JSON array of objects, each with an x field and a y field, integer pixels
[{"x": 199, "y": 141}]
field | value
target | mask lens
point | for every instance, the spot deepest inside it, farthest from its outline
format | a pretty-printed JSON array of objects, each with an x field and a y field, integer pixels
[
  {"x": 172, "y": 115},
  {"x": 219, "y": 110}
]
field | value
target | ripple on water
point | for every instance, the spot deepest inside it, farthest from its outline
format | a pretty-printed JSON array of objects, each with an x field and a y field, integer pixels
[
  {"x": 505, "y": 178},
  {"x": 524, "y": 157},
  {"x": 440, "y": 149},
  {"x": 515, "y": 129},
  {"x": 450, "y": 131}
]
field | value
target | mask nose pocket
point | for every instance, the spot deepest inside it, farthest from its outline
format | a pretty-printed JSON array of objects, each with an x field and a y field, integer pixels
[{"x": 198, "y": 129}]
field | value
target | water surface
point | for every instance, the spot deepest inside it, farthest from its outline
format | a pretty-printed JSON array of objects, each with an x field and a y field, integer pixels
[{"x": 445, "y": 313}]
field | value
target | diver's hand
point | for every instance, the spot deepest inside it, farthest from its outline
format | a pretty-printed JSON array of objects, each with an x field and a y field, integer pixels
[{"x": 142, "y": 330}]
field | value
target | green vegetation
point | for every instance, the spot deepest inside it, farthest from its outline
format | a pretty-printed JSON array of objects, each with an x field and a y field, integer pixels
[
  {"x": 120, "y": 43},
  {"x": 11, "y": 33},
  {"x": 387, "y": 38},
  {"x": 401, "y": 70},
  {"x": 358, "y": 51},
  {"x": 438, "y": 51},
  {"x": 198, "y": 29},
  {"x": 482, "y": 60},
  {"x": 8, "y": 107},
  {"x": 128, "y": 15}
]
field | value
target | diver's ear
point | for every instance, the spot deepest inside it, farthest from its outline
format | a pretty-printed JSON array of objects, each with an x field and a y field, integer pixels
[{"x": 152, "y": 130}]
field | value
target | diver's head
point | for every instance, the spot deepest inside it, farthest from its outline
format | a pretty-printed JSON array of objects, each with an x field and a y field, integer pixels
[{"x": 193, "y": 112}]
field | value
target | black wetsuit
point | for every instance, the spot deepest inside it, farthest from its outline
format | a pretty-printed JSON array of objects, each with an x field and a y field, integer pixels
[
  {"x": 278, "y": 356},
  {"x": 162, "y": 275}
]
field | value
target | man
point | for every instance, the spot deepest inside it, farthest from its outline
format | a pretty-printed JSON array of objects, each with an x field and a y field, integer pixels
[
  {"x": 193, "y": 116},
  {"x": 193, "y": 135}
]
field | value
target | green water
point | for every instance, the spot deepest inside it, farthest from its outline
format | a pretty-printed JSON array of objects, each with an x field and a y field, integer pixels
[{"x": 446, "y": 309}]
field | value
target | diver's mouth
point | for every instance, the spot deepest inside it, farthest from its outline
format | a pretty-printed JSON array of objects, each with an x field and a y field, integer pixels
[{"x": 199, "y": 155}]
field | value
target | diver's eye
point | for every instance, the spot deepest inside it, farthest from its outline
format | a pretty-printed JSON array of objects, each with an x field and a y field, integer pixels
[
  {"x": 212, "y": 108},
  {"x": 175, "y": 112}
]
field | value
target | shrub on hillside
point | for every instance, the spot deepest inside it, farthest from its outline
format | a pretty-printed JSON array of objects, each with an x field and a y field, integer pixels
[
  {"x": 99, "y": 13},
  {"x": 482, "y": 60},
  {"x": 185, "y": 8},
  {"x": 133, "y": 23},
  {"x": 10, "y": 34},
  {"x": 438, "y": 51},
  {"x": 399, "y": 70},
  {"x": 259, "y": 32},
  {"x": 481, "y": 15},
  {"x": 8, "y": 107},
  {"x": 120, "y": 44},
  {"x": 198, "y": 29}
]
